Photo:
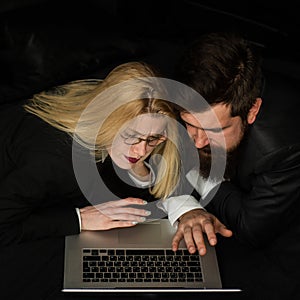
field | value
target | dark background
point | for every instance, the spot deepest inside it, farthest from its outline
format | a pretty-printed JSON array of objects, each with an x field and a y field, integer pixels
[
  {"x": 45, "y": 43},
  {"x": 49, "y": 42}
]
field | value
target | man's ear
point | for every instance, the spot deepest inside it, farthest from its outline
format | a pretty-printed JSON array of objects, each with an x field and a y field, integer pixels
[{"x": 254, "y": 111}]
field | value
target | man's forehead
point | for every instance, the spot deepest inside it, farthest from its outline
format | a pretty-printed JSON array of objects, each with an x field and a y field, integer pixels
[{"x": 212, "y": 118}]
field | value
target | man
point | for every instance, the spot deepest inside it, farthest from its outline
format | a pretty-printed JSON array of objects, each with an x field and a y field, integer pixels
[{"x": 259, "y": 197}]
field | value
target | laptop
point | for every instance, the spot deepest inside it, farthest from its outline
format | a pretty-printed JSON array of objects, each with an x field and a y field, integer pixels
[{"x": 137, "y": 259}]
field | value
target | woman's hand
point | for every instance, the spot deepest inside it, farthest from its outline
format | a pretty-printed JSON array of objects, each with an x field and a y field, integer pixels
[
  {"x": 113, "y": 214},
  {"x": 193, "y": 225}
]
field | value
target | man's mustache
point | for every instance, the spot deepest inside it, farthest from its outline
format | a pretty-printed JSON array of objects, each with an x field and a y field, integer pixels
[{"x": 208, "y": 150}]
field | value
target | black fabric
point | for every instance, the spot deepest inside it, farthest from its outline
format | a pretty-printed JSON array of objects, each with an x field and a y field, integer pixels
[
  {"x": 38, "y": 189},
  {"x": 38, "y": 197},
  {"x": 32, "y": 270},
  {"x": 118, "y": 180},
  {"x": 262, "y": 203}
]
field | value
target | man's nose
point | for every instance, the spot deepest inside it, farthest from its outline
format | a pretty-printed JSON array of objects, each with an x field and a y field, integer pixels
[
  {"x": 200, "y": 138},
  {"x": 140, "y": 148}
]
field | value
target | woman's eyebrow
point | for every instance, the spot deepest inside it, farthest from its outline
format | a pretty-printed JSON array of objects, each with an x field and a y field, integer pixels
[
  {"x": 134, "y": 132},
  {"x": 131, "y": 131}
]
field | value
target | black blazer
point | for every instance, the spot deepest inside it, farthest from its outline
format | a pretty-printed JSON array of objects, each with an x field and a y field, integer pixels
[
  {"x": 38, "y": 196},
  {"x": 261, "y": 204},
  {"x": 38, "y": 188}
]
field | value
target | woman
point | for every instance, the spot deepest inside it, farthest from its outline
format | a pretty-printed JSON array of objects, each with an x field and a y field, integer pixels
[{"x": 116, "y": 126}]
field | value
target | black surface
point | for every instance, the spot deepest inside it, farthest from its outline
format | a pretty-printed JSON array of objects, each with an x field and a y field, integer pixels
[{"x": 45, "y": 43}]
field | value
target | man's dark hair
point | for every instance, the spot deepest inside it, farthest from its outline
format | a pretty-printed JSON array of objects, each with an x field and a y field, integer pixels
[{"x": 222, "y": 68}]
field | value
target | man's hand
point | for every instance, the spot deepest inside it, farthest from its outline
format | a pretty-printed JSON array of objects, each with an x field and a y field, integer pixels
[{"x": 191, "y": 227}]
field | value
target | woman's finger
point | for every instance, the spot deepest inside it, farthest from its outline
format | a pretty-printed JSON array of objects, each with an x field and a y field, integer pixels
[
  {"x": 122, "y": 202},
  {"x": 126, "y": 217}
]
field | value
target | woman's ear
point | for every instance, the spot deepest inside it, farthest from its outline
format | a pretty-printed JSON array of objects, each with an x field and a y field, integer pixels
[{"x": 254, "y": 111}]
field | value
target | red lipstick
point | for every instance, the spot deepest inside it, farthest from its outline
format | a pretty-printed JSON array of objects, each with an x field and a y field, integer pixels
[{"x": 132, "y": 159}]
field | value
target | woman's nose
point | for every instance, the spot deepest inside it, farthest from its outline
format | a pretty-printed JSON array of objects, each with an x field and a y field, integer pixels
[{"x": 140, "y": 148}]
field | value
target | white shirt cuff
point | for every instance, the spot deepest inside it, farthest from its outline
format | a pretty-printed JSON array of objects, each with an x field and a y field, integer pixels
[
  {"x": 79, "y": 218},
  {"x": 177, "y": 206}
]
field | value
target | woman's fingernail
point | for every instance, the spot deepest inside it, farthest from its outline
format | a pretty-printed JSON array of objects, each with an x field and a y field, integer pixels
[
  {"x": 147, "y": 213},
  {"x": 134, "y": 222},
  {"x": 143, "y": 219},
  {"x": 145, "y": 202}
]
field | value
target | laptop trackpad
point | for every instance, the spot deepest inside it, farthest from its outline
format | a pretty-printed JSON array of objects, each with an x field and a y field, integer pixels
[{"x": 143, "y": 234}]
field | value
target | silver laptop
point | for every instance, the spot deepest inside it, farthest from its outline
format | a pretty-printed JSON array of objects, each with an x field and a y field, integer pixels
[{"x": 137, "y": 259}]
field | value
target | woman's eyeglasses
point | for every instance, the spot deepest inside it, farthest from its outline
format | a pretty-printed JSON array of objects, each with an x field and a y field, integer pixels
[{"x": 151, "y": 141}]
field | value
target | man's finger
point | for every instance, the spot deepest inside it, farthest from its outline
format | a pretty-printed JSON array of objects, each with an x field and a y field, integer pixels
[
  {"x": 189, "y": 240},
  {"x": 199, "y": 239},
  {"x": 209, "y": 229},
  {"x": 176, "y": 240},
  {"x": 224, "y": 231}
]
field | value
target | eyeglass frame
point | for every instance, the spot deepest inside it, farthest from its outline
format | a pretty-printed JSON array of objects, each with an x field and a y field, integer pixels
[{"x": 139, "y": 140}]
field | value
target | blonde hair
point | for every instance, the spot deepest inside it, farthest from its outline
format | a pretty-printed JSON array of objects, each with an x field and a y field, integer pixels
[{"x": 81, "y": 107}]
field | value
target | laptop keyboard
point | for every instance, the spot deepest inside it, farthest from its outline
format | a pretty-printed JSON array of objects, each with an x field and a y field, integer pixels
[{"x": 140, "y": 265}]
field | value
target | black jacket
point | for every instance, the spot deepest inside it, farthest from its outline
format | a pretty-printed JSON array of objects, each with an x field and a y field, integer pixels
[
  {"x": 261, "y": 204},
  {"x": 262, "y": 201},
  {"x": 38, "y": 188},
  {"x": 38, "y": 196}
]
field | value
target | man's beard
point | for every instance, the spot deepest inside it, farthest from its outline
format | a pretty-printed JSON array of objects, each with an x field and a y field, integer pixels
[
  {"x": 221, "y": 159},
  {"x": 219, "y": 156}
]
